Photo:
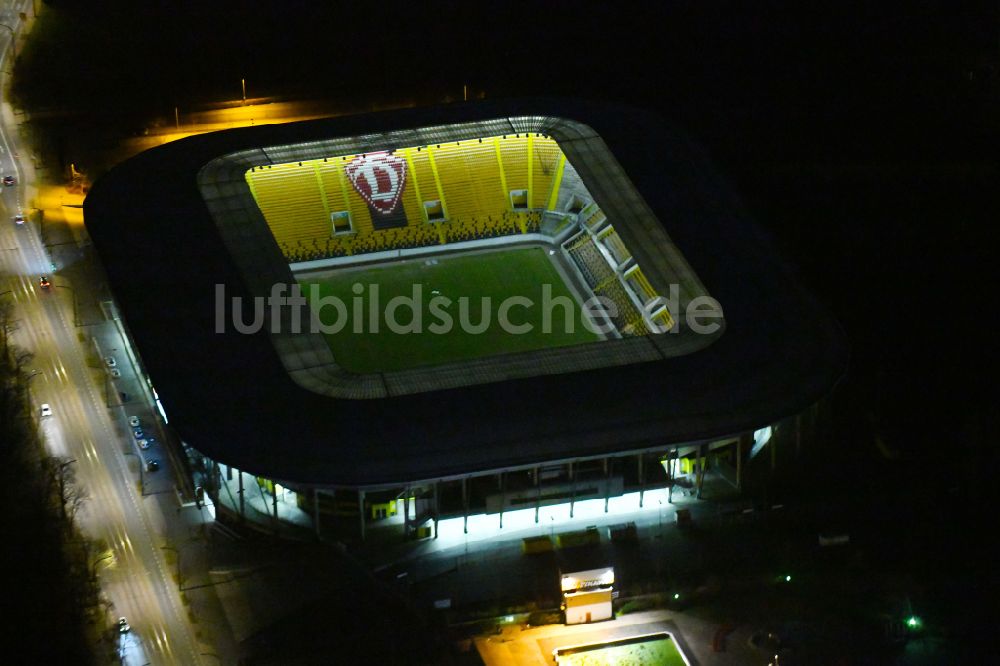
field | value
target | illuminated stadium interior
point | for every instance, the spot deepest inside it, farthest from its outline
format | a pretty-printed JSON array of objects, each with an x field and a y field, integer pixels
[{"x": 455, "y": 209}]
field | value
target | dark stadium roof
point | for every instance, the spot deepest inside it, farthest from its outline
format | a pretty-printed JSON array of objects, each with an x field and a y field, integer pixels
[{"x": 229, "y": 396}]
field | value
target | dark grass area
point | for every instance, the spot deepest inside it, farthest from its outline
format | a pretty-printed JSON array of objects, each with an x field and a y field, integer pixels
[{"x": 494, "y": 275}]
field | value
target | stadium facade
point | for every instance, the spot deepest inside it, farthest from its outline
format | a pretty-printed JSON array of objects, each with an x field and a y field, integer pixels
[{"x": 707, "y": 348}]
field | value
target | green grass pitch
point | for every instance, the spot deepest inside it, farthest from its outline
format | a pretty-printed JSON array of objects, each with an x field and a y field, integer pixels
[
  {"x": 650, "y": 653},
  {"x": 494, "y": 274}
]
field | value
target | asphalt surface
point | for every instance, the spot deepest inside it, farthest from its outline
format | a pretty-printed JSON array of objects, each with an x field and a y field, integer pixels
[{"x": 135, "y": 577}]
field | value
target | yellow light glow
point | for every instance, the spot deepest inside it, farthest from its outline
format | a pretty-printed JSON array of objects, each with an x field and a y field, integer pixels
[{"x": 53, "y": 203}]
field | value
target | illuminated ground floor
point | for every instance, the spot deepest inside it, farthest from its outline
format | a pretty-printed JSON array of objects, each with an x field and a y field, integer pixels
[{"x": 538, "y": 499}]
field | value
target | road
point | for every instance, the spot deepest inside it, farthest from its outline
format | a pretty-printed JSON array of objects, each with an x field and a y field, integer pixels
[{"x": 134, "y": 573}]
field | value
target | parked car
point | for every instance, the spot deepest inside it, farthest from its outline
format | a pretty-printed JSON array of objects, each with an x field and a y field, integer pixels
[
  {"x": 43, "y": 282},
  {"x": 133, "y": 421},
  {"x": 143, "y": 443},
  {"x": 123, "y": 627},
  {"x": 46, "y": 409},
  {"x": 110, "y": 360},
  {"x": 137, "y": 433},
  {"x": 116, "y": 373},
  {"x": 9, "y": 180}
]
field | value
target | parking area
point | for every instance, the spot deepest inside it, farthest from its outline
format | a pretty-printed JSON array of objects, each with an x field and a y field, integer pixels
[{"x": 127, "y": 395}]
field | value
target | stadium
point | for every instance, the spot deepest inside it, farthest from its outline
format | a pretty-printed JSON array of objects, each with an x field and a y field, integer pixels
[{"x": 603, "y": 315}]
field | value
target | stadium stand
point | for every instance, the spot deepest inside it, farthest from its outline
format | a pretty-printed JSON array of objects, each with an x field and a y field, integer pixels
[
  {"x": 593, "y": 217},
  {"x": 626, "y": 318},
  {"x": 454, "y": 192},
  {"x": 639, "y": 285},
  {"x": 613, "y": 243},
  {"x": 595, "y": 269},
  {"x": 451, "y": 192},
  {"x": 630, "y": 291}
]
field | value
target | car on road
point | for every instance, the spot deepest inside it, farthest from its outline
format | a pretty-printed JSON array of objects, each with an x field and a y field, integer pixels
[
  {"x": 43, "y": 282},
  {"x": 151, "y": 440},
  {"x": 46, "y": 410},
  {"x": 143, "y": 443},
  {"x": 19, "y": 219},
  {"x": 116, "y": 373},
  {"x": 133, "y": 421},
  {"x": 152, "y": 465},
  {"x": 9, "y": 180},
  {"x": 123, "y": 627},
  {"x": 110, "y": 360}
]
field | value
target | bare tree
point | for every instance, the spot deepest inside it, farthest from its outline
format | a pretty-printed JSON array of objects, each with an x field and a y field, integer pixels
[
  {"x": 7, "y": 322},
  {"x": 62, "y": 478},
  {"x": 22, "y": 357}
]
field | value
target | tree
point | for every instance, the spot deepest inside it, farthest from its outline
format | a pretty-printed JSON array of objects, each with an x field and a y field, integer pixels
[
  {"x": 7, "y": 322},
  {"x": 61, "y": 476}
]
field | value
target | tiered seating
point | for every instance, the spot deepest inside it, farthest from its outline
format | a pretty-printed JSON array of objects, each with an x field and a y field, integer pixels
[
  {"x": 504, "y": 224},
  {"x": 453, "y": 165},
  {"x": 590, "y": 261},
  {"x": 663, "y": 320},
  {"x": 298, "y": 198},
  {"x": 288, "y": 195},
  {"x": 485, "y": 172},
  {"x": 339, "y": 194},
  {"x": 628, "y": 320},
  {"x": 545, "y": 156},
  {"x": 613, "y": 243},
  {"x": 639, "y": 285},
  {"x": 514, "y": 153},
  {"x": 594, "y": 217},
  {"x": 421, "y": 173},
  {"x": 532, "y": 222},
  {"x": 604, "y": 281}
]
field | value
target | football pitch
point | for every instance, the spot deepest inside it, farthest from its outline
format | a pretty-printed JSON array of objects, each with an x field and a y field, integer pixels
[
  {"x": 458, "y": 303},
  {"x": 660, "y": 652}
]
